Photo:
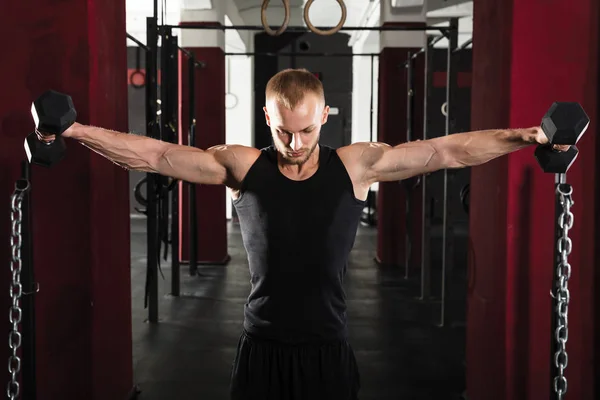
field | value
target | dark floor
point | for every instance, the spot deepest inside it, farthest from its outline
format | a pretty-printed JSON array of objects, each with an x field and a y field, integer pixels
[{"x": 188, "y": 355}]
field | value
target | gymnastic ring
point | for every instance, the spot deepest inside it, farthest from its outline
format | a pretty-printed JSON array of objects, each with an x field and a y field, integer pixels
[
  {"x": 137, "y": 192},
  {"x": 445, "y": 109},
  {"x": 330, "y": 31},
  {"x": 230, "y": 95},
  {"x": 265, "y": 24}
]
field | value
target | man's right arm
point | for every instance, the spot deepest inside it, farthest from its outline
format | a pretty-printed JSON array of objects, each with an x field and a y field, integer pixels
[{"x": 219, "y": 165}]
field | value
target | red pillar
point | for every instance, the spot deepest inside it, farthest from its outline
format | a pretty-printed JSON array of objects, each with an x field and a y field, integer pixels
[
  {"x": 522, "y": 63},
  {"x": 210, "y": 131},
  {"x": 391, "y": 197},
  {"x": 80, "y": 206}
]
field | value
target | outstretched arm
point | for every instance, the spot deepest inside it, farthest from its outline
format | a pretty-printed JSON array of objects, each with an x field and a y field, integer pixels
[
  {"x": 214, "y": 166},
  {"x": 381, "y": 162}
]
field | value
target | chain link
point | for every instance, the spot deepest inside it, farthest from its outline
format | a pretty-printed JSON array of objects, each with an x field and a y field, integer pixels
[
  {"x": 561, "y": 291},
  {"x": 16, "y": 289}
]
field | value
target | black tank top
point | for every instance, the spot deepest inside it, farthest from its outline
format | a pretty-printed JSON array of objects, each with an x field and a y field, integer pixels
[{"x": 298, "y": 235}]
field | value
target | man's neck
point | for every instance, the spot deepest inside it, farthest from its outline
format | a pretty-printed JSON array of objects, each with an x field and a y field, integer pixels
[{"x": 299, "y": 169}]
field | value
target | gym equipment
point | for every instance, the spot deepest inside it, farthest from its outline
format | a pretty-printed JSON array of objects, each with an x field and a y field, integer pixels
[
  {"x": 162, "y": 123},
  {"x": 265, "y": 24},
  {"x": 447, "y": 248},
  {"x": 53, "y": 113},
  {"x": 463, "y": 46},
  {"x": 425, "y": 286},
  {"x": 411, "y": 183},
  {"x": 371, "y": 219},
  {"x": 304, "y": 29},
  {"x": 553, "y": 161},
  {"x": 153, "y": 114},
  {"x": 193, "y": 217},
  {"x": 563, "y": 124},
  {"x": 138, "y": 72},
  {"x": 323, "y": 32},
  {"x": 21, "y": 338},
  {"x": 447, "y": 227},
  {"x": 169, "y": 122}
]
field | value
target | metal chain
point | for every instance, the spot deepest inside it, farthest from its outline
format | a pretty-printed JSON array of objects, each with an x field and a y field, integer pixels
[
  {"x": 16, "y": 289},
  {"x": 561, "y": 294}
]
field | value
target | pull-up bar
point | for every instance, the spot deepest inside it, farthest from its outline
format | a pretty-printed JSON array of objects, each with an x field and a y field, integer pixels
[
  {"x": 300, "y": 29},
  {"x": 298, "y": 54}
]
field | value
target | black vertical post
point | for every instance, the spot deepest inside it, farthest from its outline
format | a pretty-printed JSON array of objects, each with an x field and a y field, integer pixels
[
  {"x": 426, "y": 210},
  {"x": 29, "y": 384},
  {"x": 170, "y": 124},
  {"x": 153, "y": 120},
  {"x": 410, "y": 98},
  {"x": 410, "y": 108},
  {"x": 447, "y": 229},
  {"x": 370, "y": 219},
  {"x": 193, "y": 220}
]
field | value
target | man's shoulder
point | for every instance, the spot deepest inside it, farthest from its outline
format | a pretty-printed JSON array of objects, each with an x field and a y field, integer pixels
[
  {"x": 237, "y": 159},
  {"x": 353, "y": 153},
  {"x": 233, "y": 155},
  {"x": 357, "y": 157}
]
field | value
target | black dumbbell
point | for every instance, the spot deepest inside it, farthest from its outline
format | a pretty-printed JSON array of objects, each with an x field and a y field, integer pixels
[
  {"x": 53, "y": 113},
  {"x": 563, "y": 124}
]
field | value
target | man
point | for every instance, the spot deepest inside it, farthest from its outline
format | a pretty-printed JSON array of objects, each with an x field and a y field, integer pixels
[{"x": 299, "y": 205}]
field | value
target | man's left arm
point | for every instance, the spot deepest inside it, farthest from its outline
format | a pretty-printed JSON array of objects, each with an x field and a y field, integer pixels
[{"x": 380, "y": 162}]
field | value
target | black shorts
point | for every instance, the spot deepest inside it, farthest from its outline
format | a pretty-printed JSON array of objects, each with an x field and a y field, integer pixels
[{"x": 268, "y": 370}]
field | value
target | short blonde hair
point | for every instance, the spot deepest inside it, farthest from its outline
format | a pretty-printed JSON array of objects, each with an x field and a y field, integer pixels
[{"x": 291, "y": 85}]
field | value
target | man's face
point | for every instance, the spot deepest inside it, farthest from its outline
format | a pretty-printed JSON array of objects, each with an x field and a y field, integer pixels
[{"x": 296, "y": 133}]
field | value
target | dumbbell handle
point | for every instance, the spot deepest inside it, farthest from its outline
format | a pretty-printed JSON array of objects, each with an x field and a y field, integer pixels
[{"x": 46, "y": 139}]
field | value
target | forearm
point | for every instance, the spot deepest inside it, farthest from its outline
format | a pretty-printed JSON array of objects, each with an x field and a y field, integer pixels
[
  {"x": 126, "y": 150},
  {"x": 478, "y": 147}
]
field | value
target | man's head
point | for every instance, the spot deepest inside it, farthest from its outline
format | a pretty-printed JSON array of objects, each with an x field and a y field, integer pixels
[{"x": 295, "y": 110}]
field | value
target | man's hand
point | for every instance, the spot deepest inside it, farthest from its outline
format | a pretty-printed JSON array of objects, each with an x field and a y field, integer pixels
[{"x": 541, "y": 138}]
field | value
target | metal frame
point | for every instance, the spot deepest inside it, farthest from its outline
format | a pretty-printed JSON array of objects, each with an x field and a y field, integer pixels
[
  {"x": 193, "y": 226},
  {"x": 162, "y": 124},
  {"x": 153, "y": 121},
  {"x": 447, "y": 229},
  {"x": 170, "y": 133},
  {"x": 300, "y": 54},
  {"x": 301, "y": 29},
  {"x": 426, "y": 210},
  {"x": 410, "y": 107},
  {"x": 156, "y": 123},
  {"x": 370, "y": 219}
]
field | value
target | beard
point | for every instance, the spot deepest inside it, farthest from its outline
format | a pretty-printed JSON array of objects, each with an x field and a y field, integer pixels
[{"x": 288, "y": 159}]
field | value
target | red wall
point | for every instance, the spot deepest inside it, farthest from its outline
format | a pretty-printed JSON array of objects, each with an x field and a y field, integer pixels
[
  {"x": 522, "y": 63},
  {"x": 210, "y": 131},
  {"x": 80, "y": 206}
]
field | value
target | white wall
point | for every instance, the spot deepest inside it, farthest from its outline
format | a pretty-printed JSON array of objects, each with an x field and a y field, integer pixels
[
  {"x": 239, "y": 99},
  {"x": 361, "y": 87},
  {"x": 361, "y": 98}
]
